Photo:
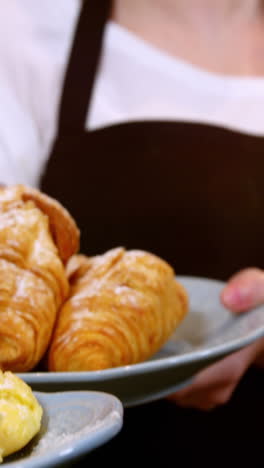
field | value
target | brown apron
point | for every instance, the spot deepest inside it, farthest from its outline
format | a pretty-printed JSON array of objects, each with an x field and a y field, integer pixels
[{"x": 191, "y": 193}]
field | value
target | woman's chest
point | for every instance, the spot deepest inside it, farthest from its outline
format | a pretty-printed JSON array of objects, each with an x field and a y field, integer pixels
[{"x": 174, "y": 189}]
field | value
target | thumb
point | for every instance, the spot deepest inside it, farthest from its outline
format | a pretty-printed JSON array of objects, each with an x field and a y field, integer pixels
[{"x": 244, "y": 290}]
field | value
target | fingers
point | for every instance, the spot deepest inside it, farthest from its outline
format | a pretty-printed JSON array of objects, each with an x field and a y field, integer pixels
[
  {"x": 215, "y": 385},
  {"x": 244, "y": 290}
]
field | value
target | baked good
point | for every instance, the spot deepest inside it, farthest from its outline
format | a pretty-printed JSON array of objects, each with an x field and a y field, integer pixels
[
  {"x": 122, "y": 307},
  {"x": 64, "y": 230},
  {"x": 20, "y": 414},
  {"x": 33, "y": 281}
]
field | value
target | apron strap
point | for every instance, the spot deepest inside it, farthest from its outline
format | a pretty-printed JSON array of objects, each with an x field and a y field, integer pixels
[{"x": 82, "y": 65}]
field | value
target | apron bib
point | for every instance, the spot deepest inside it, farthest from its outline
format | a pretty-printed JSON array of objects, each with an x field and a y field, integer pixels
[{"x": 190, "y": 193}]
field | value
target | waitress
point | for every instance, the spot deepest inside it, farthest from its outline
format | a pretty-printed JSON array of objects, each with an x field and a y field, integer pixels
[{"x": 159, "y": 146}]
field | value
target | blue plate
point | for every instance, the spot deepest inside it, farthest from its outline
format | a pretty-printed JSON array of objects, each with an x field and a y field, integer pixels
[
  {"x": 207, "y": 334},
  {"x": 73, "y": 424}
]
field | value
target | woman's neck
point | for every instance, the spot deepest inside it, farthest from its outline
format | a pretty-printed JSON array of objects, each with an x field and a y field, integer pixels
[
  {"x": 225, "y": 36},
  {"x": 222, "y": 10},
  {"x": 190, "y": 11}
]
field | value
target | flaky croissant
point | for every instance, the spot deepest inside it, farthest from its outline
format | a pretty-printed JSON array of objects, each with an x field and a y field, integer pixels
[
  {"x": 33, "y": 284},
  {"x": 122, "y": 307}
]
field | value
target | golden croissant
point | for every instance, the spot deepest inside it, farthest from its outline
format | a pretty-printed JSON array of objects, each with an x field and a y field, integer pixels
[
  {"x": 122, "y": 307},
  {"x": 34, "y": 245}
]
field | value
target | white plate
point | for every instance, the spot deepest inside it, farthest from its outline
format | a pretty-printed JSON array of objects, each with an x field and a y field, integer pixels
[
  {"x": 73, "y": 424},
  {"x": 208, "y": 333}
]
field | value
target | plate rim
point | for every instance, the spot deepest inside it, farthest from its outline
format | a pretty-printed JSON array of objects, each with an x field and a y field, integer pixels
[
  {"x": 78, "y": 447},
  {"x": 148, "y": 366}
]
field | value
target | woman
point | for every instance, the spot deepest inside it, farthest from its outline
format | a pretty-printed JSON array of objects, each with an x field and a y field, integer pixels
[{"x": 160, "y": 138}]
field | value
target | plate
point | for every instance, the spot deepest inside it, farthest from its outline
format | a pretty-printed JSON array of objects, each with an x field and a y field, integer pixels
[
  {"x": 73, "y": 424},
  {"x": 207, "y": 334}
]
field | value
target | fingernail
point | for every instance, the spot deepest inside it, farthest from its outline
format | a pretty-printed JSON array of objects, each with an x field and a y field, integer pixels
[
  {"x": 230, "y": 297},
  {"x": 235, "y": 297}
]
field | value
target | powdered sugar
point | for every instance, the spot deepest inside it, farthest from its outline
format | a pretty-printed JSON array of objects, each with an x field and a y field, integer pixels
[{"x": 64, "y": 435}]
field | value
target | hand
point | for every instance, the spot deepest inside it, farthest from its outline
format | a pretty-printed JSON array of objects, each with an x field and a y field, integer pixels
[{"x": 215, "y": 385}]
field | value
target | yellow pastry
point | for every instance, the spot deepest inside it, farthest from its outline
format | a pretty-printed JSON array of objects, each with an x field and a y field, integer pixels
[
  {"x": 20, "y": 414},
  {"x": 34, "y": 244},
  {"x": 122, "y": 307}
]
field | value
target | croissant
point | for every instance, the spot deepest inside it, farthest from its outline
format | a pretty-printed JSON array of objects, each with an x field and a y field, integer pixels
[
  {"x": 122, "y": 307},
  {"x": 34, "y": 245}
]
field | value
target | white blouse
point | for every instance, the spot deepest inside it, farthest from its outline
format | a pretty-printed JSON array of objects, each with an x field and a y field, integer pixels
[{"x": 135, "y": 81}]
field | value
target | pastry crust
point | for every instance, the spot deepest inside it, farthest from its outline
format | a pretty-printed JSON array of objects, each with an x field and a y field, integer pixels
[
  {"x": 63, "y": 227},
  {"x": 33, "y": 281},
  {"x": 122, "y": 307}
]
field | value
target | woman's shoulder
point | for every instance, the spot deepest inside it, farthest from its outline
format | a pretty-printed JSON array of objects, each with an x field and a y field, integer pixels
[
  {"x": 34, "y": 39},
  {"x": 27, "y": 23}
]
